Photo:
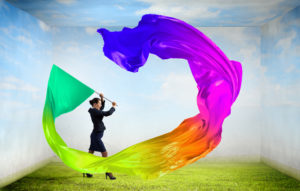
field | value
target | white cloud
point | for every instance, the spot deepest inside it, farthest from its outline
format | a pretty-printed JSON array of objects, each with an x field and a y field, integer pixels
[
  {"x": 296, "y": 50},
  {"x": 288, "y": 50},
  {"x": 175, "y": 8},
  {"x": 59, "y": 16},
  {"x": 119, "y": 7},
  {"x": 5, "y": 94},
  {"x": 177, "y": 88},
  {"x": 263, "y": 11},
  {"x": 24, "y": 40},
  {"x": 71, "y": 47},
  {"x": 261, "y": 18},
  {"x": 91, "y": 30},
  {"x": 5, "y": 30},
  {"x": 290, "y": 68},
  {"x": 13, "y": 83},
  {"x": 257, "y": 12},
  {"x": 249, "y": 97},
  {"x": 251, "y": 60},
  {"x": 7, "y": 86},
  {"x": 90, "y": 19},
  {"x": 2, "y": 4},
  {"x": 9, "y": 59},
  {"x": 277, "y": 95},
  {"x": 295, "y": 22},
  {"x": 3, "y": 45},
  {"x": 66, "y": 2},
  {"x": 11, "y": 31},
  {"x": 14, "y": 104},
  {"x": 55, "y": 30},
  {"x": 43, "y": 26},
  {"x": 286, "y": 42},
  {"x": 107, "y": 22}
]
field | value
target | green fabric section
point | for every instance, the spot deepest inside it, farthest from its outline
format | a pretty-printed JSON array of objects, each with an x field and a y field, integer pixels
[{"x": 66, "y": 92}]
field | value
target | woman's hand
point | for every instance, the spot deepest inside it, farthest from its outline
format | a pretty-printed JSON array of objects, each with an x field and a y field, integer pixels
[
  {"x": 114, "y": 104},
  {"x": 101, "y": 96}
]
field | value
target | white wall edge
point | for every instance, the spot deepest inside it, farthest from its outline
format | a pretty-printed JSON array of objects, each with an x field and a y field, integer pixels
[
  {"x": 290, "y": 171},
  {"x": 21, "y": 173}
]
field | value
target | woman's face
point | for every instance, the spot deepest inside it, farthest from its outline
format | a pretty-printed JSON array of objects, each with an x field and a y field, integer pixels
[{"x": 97, "y": 105}]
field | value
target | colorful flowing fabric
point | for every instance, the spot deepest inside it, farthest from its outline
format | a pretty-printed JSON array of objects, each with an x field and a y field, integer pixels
[{"x": 218, "y": 80}]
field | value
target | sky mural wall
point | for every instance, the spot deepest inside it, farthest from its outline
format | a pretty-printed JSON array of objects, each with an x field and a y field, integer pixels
[
  {"x": 25, "y": 58},
  {"x": 280, "y": 100}
]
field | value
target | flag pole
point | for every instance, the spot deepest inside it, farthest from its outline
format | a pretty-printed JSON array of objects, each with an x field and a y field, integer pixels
[{"x": 104, "y": 97}]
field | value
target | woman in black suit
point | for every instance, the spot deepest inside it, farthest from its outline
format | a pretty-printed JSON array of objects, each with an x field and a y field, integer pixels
[{"x": 97, "y": 114}]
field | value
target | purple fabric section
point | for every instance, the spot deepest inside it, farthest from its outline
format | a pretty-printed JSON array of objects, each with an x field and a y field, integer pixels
[{"x": 218, "y": 78}]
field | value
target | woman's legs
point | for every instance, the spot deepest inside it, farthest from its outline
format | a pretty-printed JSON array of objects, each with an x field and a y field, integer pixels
[
  {"x": 104, "y": 154},
  {"x": 87, "y": 174}
]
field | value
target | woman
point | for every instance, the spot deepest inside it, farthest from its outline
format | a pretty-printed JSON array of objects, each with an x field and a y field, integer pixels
[{"x": 97, "y": 115}]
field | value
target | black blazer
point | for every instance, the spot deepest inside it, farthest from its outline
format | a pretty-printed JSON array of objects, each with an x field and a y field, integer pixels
[{"x": 97, "y": 117}]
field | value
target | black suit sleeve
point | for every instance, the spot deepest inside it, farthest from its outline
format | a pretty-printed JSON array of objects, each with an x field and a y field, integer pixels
[
  {"x": 102, "y": 105},
  {"x": 109, "y": 112},
  {"x": 104, "y": 113}
]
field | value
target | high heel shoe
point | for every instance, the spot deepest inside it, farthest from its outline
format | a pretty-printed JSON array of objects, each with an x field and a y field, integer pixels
[
  {"x": 109, "y": 174},
  {"x": 87, "y": 175}
]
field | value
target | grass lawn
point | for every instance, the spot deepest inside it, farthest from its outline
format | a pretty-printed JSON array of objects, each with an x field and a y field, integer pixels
[{"x": 202, "y": 175}]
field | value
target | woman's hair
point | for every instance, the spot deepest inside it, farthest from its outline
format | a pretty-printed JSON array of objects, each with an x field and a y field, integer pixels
[{"x": 95, "y": 100}]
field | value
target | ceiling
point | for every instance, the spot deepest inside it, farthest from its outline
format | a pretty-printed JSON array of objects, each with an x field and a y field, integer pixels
[{"x": 108, "y": 13}]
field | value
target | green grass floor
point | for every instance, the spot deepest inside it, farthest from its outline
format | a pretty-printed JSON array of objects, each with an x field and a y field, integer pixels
[{"x": 198, "y": 176}]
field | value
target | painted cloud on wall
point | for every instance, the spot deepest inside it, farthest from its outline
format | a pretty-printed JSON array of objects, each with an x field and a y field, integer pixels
[{"x": 197, "y": 13}]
